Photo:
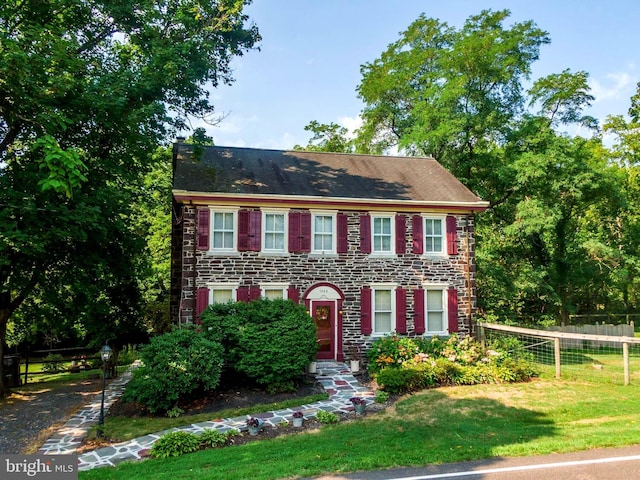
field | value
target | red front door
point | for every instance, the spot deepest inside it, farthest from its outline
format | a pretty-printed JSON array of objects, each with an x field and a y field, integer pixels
[{"x": 324, "y": 316}]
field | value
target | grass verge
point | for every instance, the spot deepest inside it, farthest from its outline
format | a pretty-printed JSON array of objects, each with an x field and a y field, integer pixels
[
  {"x": 431, "y": 427},
  {"x": 126, "y": 428}
]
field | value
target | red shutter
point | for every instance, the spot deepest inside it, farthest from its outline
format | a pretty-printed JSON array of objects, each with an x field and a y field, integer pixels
[
  {"x": 203, "y": 230},
  {"x": 242, "y": 294},
  {"x": 305, "y": 232},
  {"x": 299, "y": 232},
  {"x": 343, "y": 233},
  {"x": 401, "y": 233},
  {"x": 452, "y": 236},
  {"x": 365, "y": 311},
  {"x": 202, "y": 301},
  {"x": 254, "y": 293},
  {"x": 401, "y": 310},
  {"x": 365, "y": 233},
  {"x": 452, "y": 309},
  {"x": 418, "y": 309},
  {"x": 418, "y": 236},
  {"x": 293, "y": 294},
  {"x": 294, "y": 232},
  {"x": 243, "y": 230},
  {"x": 255, "y": 233}
]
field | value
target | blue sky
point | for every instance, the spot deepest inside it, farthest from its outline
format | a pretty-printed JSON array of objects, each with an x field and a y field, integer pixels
[{"x": 308, "y": 66}]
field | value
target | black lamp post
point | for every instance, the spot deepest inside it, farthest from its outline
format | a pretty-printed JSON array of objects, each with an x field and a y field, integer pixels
[{"x": 105, "y": 354}]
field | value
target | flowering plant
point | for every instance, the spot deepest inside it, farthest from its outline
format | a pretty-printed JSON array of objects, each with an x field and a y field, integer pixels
[
  {"x": 298, "y": 414},
  {"x": 357, "y": 400},
  {"x": 253, "y": 422}
]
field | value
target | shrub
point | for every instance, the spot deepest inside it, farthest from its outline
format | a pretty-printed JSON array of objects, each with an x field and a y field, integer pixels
[
  {"x": 381, "y": 397},
  {"x": 270, "y": 341},
  {"x": 210, "y": 438},
  {"x": 398, "y": 380},
  {"x": 127, "y": 355},
  {"x": 174, "y": 444},
  {"x": 52, "y": 363},
  {"x": 174, "y": 365},
  {"x": 390, "y": 351},
  {"x": 327, "y": 417}
]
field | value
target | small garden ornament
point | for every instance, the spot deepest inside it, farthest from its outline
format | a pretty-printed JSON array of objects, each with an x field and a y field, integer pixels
[
  {"x": 298, "y": 418},
  {"x": 254, "y": 425},
  {"x": 359, "y": 404}
]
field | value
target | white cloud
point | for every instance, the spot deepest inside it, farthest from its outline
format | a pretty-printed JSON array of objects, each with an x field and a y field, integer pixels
[
  {"x": 616, "y": 85},
  {"x": 351, "y": 124}
]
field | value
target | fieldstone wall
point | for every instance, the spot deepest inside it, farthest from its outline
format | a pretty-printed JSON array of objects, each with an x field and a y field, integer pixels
[{"x": 349, "y": 272}]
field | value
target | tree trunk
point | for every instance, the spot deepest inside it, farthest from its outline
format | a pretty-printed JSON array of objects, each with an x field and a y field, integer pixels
[{"x": 4, "y": 318}]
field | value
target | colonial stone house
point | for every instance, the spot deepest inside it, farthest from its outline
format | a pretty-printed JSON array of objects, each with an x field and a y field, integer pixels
[{"x": 369, "y": 244}]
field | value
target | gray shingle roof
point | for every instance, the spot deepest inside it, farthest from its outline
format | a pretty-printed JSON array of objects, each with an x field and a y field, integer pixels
[{"x": 248, "y": 171}]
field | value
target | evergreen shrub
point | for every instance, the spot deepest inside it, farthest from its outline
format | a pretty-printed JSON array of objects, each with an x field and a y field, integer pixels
[{"x": 175, "y": 365}]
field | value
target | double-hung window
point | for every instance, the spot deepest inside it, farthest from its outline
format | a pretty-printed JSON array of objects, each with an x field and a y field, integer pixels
[
  {"x": 382, "y": 235},
  {"x": 323, "y": 233},
  {"x": 435, "y": 314},
  {"x": 383, "y": 310},
  {"x": 433, "y": 235},
  {"x": 222, "y": 293},
  {"x": 223, "y": 230},
  {"x": 274, "y": 232},
  {"x": 274, "y": 291}
]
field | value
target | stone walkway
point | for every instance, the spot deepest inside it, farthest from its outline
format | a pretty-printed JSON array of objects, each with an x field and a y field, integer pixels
[{"x": 336, "y": 378}]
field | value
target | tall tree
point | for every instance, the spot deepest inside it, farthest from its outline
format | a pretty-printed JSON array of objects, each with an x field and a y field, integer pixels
[
  {"x": 449, "y": 93},
  {"x": 327, "y": 138},
  {"x": 87, "y": 92}
]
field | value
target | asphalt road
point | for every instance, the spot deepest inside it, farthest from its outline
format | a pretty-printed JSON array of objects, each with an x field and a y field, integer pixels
[{"x": 600, "y": 464}]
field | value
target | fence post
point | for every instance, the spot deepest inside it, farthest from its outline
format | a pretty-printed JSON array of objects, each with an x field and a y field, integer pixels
[
  {"x": 625, "y": 355},
  {"x": 556, "y": 352}
]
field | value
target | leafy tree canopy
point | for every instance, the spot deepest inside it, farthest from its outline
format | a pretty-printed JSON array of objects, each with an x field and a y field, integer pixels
[{"x": 87, "y": 92}]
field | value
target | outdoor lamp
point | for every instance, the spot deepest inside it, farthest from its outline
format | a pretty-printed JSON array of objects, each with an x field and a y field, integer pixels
[{"x": 105, "y": 354}]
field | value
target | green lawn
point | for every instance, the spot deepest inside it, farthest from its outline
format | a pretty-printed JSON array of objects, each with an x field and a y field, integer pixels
[{"x": 435, "y": 426}]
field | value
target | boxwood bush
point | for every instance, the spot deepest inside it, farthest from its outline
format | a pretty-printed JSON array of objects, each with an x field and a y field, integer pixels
[
  {"x": 173, "y": 366},
  {"x": 270, "y": 341}
]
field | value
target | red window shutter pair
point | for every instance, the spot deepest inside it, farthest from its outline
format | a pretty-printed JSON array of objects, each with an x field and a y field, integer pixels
[
  {"x": 249, "y": 230},
  {"x": 419, "y": 312},
  {"x": 246, "y": 294},
  {"x": 299, "y": 232},
  {"x": 365, "y": 233},
  {"x": 202, "y": 301},
  {"x": 418, "y": 235}
]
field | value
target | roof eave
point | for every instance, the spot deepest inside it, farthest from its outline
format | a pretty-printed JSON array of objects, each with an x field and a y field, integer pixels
[{"x": 301, "y": 201}]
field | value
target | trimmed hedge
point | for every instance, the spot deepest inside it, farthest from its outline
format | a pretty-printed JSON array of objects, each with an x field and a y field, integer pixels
[{"x": 270, "y": 341}]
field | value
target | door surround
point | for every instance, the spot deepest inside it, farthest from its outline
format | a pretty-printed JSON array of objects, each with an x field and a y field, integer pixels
[{"x": 323, "y": 293}]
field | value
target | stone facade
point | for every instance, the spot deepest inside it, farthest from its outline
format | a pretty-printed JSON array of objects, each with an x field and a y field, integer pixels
[{"x": 348, "y": 272}]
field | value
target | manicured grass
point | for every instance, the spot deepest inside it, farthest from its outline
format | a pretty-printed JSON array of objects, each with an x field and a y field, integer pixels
[
  {"x": 431, "y": 427},
  {"x": 126, "y": 428}
]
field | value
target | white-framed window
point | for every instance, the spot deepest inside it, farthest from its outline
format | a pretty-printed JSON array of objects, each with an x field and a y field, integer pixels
[
  {"x": 274, "y": 231},
  {"x": 323, "y": 232},
  {"x": 222, "y": 293},
  {"x": 224, "y": 225},
  {"x": 435, "y": 306},
  {"x": 434, "y": 235},
  {"x": 274, "y": 291},
  {"x": 382, "y": 234},
  {"x": 383, "y": 309}
]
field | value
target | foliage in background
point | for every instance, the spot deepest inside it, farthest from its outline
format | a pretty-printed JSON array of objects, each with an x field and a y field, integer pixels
[
  {"x": 89, "y": 90},
  {"x": 175, "y": 365},
  {"x": 561, "y": 234},
  {"x": 270, "y": 341}
]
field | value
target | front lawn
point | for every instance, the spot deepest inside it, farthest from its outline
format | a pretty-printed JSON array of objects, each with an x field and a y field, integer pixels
[{"x": 433, "y": 426}]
